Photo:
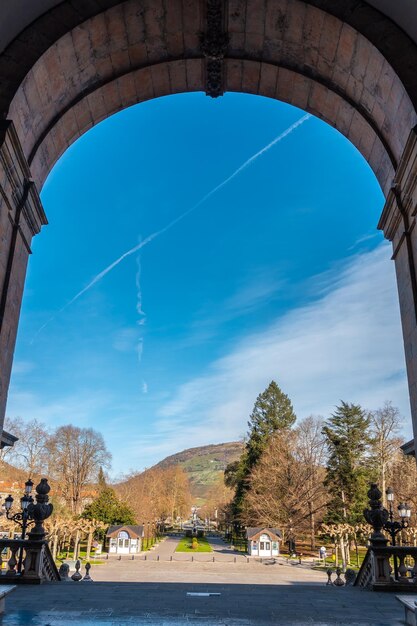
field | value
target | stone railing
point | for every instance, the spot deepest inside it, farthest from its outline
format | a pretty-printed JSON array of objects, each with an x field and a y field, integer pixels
[
  {"x": 27, "y": 561},
  {"x": 389, "y": 568}
]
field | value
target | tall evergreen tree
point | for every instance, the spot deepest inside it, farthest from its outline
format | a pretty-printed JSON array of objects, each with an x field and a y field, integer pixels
[
  {"x": 347, "y": 439},
  {"x": 101, "y": 479},
  {"x": 109, "y": 509},
  {"x": 271, "y": 413}
]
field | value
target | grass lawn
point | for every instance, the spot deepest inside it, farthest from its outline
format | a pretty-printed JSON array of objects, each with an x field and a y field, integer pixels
[{"x": 185, "y": 545}]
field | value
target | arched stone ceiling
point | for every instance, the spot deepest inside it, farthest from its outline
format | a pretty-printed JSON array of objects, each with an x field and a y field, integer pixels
[
  {"x": 292, "y": 50},
  {"x": 340, "y": 59},
  {"x": 17, "y": 15},
  {"x": 29, "y": 27}
]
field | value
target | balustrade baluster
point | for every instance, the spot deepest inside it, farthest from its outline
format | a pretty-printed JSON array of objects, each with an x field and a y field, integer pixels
[
  {"x": 413, "y": 571},
  {"x": 402, "y": 568},
  {"x": 12, "y": 562}
]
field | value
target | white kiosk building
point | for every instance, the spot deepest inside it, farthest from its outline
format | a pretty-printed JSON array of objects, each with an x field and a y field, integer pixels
[
  {"x": 263, "y": 542},
  {"x": 125, "y": 539}
]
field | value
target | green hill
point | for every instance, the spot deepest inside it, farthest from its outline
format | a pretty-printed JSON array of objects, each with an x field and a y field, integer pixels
[{"x": 204, "y": 465}]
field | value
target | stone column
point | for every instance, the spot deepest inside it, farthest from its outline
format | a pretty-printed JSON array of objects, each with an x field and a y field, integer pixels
[
  {"x": 398, "y": 221},
  {"x": 21, "y": 217}
]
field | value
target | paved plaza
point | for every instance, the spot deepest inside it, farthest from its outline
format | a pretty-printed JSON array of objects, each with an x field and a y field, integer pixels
[{"x": 180, "y": 592}]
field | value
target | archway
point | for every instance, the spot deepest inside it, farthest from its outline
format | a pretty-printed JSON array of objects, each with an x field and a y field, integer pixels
[{"x": 337, "y": 63}]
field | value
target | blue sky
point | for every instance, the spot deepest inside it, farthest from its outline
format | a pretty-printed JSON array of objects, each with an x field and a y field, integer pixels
[{"x": 279, "y": 274}]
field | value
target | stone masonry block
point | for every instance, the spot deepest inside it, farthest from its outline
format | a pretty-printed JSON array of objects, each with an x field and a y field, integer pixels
[
  {"x": 236, "y": 16},
  {"x": 233, "y": 71},
  {"x": 177, "y": 76},
  {"x": 144, "y": 85},
  {"x": 160, "y": 80},
  {"x": 285, "y": 85},
  {"x": 255, "y": 17},
  {"x": 194, "y": 74},
  {"x": 250, "y": 76},
  {"x": 268, "y": 80},
  {"x": 276, "y": 19}
]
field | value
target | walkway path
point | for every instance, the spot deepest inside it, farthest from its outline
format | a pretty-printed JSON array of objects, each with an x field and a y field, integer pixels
[
  {"x": 177, "y": 593},
  {"x": 175, "y": 604}
]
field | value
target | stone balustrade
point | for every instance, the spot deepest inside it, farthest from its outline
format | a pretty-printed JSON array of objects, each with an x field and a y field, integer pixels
[
  {"x": 389, "y": 568},
  {"x": 27, "y": 561}
]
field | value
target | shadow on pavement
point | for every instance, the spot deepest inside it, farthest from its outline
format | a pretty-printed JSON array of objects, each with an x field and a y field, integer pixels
[{"x": 175, "y": 604}]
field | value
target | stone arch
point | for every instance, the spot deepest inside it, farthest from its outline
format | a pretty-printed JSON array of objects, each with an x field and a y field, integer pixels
[{"x": 286, "y": 49}]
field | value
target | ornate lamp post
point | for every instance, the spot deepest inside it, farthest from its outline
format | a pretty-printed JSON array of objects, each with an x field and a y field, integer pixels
[
  {"x": 31, "y": 513},
  {"x": 23, "y": 517},
  {"x": 393, "y": 527},
  {"x": 404, "y": 511},
  {"x": 381, "y": 519}
]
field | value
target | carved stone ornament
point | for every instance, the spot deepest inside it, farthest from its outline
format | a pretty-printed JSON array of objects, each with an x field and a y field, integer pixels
[
  {"x": 40, "y": 511},
  {"x": 376, "y": 516},
  {"x": 213, "y": 45}
]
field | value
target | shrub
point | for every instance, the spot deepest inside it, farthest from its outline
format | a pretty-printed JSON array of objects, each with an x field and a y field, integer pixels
[{"x": 194, "y": 543}]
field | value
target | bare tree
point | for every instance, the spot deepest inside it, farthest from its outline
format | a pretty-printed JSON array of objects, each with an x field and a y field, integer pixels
[
  {"x": 75, "y": 456},
  {"x": 283, "y": 490},
  {"x": 311, "y": 451},
  {"x": 32, "y": 451},
  {"x": 385, "y": 425},
  {"x": 157, "y": 493}
]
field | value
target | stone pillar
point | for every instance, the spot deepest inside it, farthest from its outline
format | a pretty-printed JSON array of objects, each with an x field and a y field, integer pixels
[
  {"x": 21, "y": 217},
  {"x": 398, "y": 221}
]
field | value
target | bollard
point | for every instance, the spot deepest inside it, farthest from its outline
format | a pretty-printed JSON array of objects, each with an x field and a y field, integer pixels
[
  {"x": 120, "y": 557},
  {"x": 87, "y": 578},
  {"x": 157, "y": 558},
  {"x": 76, "y": 577},
  {"x": 235, "y": 560},
  {"x": 146, "y": 556},
  {"x": 213, "y": 559},
  {"x": 64, "y": 572},
  {"x": 339, "y": 582},
  {"x": 133, "y": 557},
  {"x": 170, "y": 558},
  {"x": 350, "y": 576},
  {"x": 192, "y": 558},
  {"x": 329, "y": 577},
  {"x": 247, "y": 559}
]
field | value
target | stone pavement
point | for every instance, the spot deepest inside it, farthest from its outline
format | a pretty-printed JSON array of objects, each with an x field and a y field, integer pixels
[
  {"x": 202, "y": 570},
  {"x": 149, "y": 593},
  {"x": 168, "y": 604}
]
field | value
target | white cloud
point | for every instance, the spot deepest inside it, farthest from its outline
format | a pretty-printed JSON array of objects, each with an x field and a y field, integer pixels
[
  {"x": 345, "y": 345},
  {"x": 256, "y": 292}
]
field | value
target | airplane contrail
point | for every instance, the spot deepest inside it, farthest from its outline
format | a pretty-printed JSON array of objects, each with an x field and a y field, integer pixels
[{"x": 175, "y": 221}]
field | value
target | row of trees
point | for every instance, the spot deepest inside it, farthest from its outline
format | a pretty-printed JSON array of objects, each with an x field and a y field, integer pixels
[
  {"x": 70, "y": 456},
  {"x": 74, "y": 459},
  {"x": 296, "y": 476},
  {"x": 157, "y": 493}
]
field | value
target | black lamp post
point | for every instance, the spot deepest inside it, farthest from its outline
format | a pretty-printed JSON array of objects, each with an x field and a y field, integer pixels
[
  {"x": 31, "y": 513},
  {"x": 391, "y": 526},
  {"x": 24, "y": 517}
]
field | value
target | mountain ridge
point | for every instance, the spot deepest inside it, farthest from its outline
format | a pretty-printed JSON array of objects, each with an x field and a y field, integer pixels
[{"x": 204, "y": 465}]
